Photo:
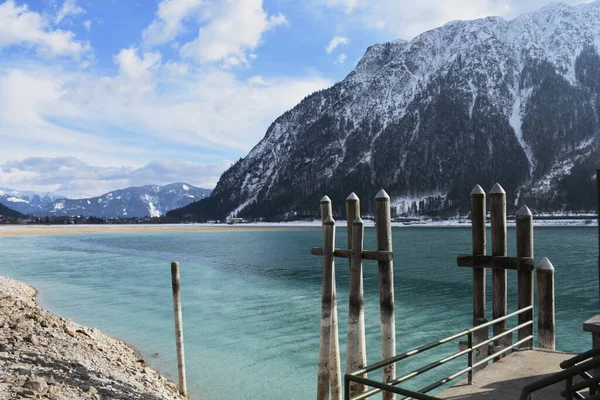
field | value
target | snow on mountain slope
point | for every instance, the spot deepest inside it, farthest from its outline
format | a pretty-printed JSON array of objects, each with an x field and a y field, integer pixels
[{"x": 133, "y": 202}]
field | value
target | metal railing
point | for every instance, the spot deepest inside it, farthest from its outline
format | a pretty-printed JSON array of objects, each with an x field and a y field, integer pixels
[
  {"x": 580, "y": 365},
  {"x": 392, "y": 387}
]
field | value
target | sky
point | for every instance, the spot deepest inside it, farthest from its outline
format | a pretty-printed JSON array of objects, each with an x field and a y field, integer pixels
[{"x": 101, "y": 95}]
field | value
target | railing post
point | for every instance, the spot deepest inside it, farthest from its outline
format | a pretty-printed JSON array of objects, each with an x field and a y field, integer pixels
[
  {"x": 386, "y": 287},
  {"x": 525, "y": 278},
  {"x": 545, "y": 285},
  {"x": 356, "y": 353},
  {"x": 478, "y": 231},
  {"x": 470, "y": 357},
  {"x": 175, "y": 283},
  {"x": 498, "y": 224}
]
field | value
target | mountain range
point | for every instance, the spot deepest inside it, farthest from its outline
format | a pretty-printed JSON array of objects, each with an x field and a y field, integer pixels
[
  {"x": 472, "y": 102},
  {"x": 132, "y": 202}
]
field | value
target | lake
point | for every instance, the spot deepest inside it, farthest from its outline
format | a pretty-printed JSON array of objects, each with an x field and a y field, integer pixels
[{"x": 251, "y": 298}]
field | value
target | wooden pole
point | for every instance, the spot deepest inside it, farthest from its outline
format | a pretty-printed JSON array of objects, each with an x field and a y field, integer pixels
[
  {"x": 598, "y": 213},
  {"x": 175, "y": 283},
  {"x": 545, "y": 284},
  {"x": 386, "y": 287},
  {"x": 525, "y": 278},
  {"x": 333, "y": 378},
  {"x": 478, "y": 232},
  {"x": 356, "y": 355},
  {"x": 356, "y": 351},
  {"x": 498, "y": 223}
]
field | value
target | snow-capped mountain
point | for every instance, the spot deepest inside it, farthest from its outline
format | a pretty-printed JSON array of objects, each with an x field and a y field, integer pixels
[
  {"x": 479, "y": 101},
  {"x": 133, "y": 202},
  {"x": 26, "y": 201}
]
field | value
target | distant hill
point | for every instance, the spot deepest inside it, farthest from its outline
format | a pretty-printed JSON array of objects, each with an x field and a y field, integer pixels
[
  {"x": 132, "y": 202},
  {"x": 7, "y": 212}
]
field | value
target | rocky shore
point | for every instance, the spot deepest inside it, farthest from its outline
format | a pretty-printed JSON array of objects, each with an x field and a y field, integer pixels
[{"x": 45, "y": 356}]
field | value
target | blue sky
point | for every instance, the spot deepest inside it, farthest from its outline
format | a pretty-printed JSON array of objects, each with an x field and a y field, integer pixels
[{"x": 99, "y": 95}]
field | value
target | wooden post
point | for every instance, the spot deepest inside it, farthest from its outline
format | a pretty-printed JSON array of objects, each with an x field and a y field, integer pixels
[
  {"x": 598, "y": 213},
  {"x": 178, "y": 327},
  {"x": 498, "y": 223},
  {"x": 545, "y": 284},
  {"x": 329, "y": 354},
  {"x": 478, "y": 232},
  {"x": 356, "y": 353},
  {"x": 386, "y": 287},
  {"x": 525, "y": 278}
]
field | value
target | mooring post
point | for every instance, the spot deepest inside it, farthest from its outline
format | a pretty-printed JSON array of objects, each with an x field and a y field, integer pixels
[
  {"x": 356, "y": 353},
  {"x": 525, "y": 278},
  {"x": 478, "y": 232},
  {"x": 498, "y": 224},
  {"x": 598, "y": 214},
  {"x": 178, "y": 327},
  {"x": 386, "y": 286},
  {"x": 545, "y": 285},
  {"x": 329, "y": 354}
]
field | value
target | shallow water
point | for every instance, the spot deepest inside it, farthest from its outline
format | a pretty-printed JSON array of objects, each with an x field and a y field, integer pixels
[{"x": 251, "y": 299}]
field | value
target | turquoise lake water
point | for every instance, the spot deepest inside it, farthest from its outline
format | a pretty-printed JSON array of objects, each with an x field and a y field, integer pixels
[{"x": 251, "y": 299}]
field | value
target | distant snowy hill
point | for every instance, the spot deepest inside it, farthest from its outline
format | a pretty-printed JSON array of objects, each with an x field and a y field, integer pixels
[
  {"x": 143, "y": 201},
  {"x": 479, "y": 101}
]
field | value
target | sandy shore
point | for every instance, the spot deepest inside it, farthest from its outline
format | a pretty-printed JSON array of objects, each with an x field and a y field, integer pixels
[
  {"x": 44, "y": 356},
  {"x": 29, "y": 230}
]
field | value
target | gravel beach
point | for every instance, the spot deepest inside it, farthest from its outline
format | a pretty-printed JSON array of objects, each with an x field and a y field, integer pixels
[{"x": 44, "y": 356}]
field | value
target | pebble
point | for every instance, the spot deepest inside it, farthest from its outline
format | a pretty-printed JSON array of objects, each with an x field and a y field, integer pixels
[{"x": 36, "y": 384}]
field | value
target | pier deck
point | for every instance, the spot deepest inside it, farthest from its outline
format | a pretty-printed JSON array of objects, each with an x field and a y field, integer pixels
[{"x": 506, "y": 378}]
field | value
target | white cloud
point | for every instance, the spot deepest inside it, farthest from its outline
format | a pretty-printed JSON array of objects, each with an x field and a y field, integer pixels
[
  {"x": 20, "y": 26},
  {"x": 74, "y": 178},
  {"x": 170, "y": 17},
  {"x": 335, "y": 42},
  {"x": 405, "y": 18},
  {"x": 136, "y": 74},
  {"x": 88, "y": 25},
  {"x": 228, "y": 30},
  {"x": 177, "y": 107},
  {"x": 69, "y": 8},
  {"x": 341, "y": 59}
]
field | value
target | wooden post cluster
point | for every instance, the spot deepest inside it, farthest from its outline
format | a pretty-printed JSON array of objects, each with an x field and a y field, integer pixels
[
  {"x": 175, "y": 282},
  {"x": 356, "y": 358},
  {"x": 545, "y": 286},
  {"x": 329, "y": 374},
  {"x": 499, "y": 262}
]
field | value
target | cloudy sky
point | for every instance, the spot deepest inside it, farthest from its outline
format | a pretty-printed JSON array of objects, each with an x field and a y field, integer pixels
[{"x": 99, "y": 95}]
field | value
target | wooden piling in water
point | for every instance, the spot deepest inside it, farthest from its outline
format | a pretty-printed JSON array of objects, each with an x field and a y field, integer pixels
[
  {"x": 478, "y": 233},
  {"x": 525, "y": 278},
  {"x": 498, "y": 225},
  {"x": 329, "y": 374},
  {"x": 356, "y": 353},
  {"x": 175, "y": 283},
  {"x": 598, "y": 215},
  {"x": 386, "y": 287},
  {"x": 546, "y": 321}
]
